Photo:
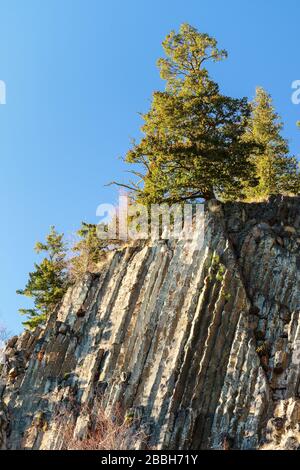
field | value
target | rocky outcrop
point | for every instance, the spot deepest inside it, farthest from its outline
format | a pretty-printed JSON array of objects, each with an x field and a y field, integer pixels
[
  {"x": 3, "y": 427},
  {"x": 200, "y": 345}
]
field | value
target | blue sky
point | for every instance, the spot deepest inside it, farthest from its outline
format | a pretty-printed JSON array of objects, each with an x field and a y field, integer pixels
[{"x": 78, "y": 72}]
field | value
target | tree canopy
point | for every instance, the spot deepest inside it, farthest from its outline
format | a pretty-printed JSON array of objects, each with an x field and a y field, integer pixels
[
  {"x": 276, "y": 171},
  {"x": 193, "y": 143}
]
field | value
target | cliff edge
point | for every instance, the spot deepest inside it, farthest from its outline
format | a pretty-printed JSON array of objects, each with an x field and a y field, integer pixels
[{"x": 199, "y": 346}]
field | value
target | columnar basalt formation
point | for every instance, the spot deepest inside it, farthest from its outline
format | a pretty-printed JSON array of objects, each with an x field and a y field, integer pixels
[{"x": 200, "y": 344}]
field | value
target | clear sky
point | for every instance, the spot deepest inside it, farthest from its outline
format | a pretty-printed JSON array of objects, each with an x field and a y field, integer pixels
[{"x": 77, "y": 74}]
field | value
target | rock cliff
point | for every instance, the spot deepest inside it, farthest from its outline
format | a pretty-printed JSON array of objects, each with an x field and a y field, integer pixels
[{"x": 201, "y": 347}]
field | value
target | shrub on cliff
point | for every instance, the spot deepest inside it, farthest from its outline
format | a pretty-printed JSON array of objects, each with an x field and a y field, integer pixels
[
  {"x": 104, "y": 431},
  {"x": 88, "y": 251}
]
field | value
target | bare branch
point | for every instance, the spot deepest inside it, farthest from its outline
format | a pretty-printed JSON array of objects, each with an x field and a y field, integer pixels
[{"x": 122, "y": 185}]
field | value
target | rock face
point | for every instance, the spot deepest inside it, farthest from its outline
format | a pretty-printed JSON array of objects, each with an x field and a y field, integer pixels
[{"x": 200, "y": 345}]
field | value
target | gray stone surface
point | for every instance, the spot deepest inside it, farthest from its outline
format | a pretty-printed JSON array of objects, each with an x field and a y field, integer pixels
[{"x": 201, "y": 346}]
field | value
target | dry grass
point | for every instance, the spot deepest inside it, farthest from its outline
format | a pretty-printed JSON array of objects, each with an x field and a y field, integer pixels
[{"x": 106, "y": 432}]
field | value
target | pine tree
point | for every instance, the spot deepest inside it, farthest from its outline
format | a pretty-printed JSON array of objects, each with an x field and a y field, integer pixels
[
  {"x": 48, "y": 282},
  {"x": 276, "y": 171},
  {"x": 193, "y": 135}
]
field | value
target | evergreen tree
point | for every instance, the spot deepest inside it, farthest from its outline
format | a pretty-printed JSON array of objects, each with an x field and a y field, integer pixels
[
  {"x": 193, "y": 135},
  {"x": 276, "y": 171},
  {"x": 48, "y": 283}
]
